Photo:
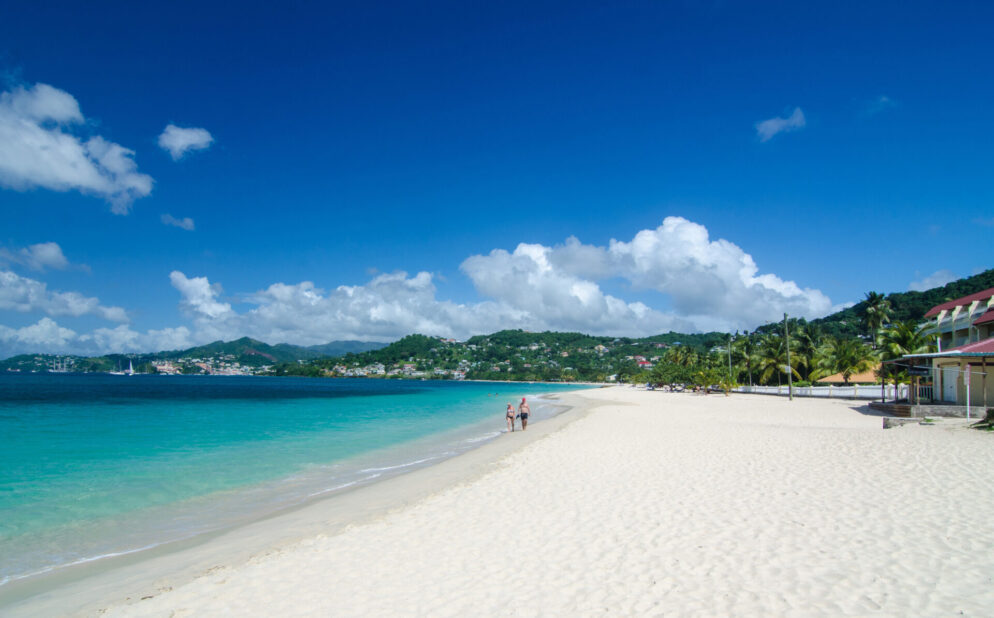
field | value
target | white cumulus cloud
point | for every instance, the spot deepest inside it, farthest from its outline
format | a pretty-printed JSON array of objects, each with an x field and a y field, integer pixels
[
  {"x": 185, "y": 223},
  {"x": 199, "y": 296},
  {"x": 27, "y": 295},
  {"x": 123, "y": 339},
  {"x": 711, "y": 284},
  {"x": 769, "y": 128},
  {"x": 38, "y": 149},
  {"x": 42, "y": 256},
  {"x": 45, "y": 335},
  {"x": 389, "y": 306},
  {"x": 532, "y": 285},
  {"x": 178, "y": 141}
]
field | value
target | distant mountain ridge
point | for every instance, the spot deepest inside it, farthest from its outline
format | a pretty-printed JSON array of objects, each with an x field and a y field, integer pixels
[
  {"x": 253, "y": 352},
  {"x": 245, "y": 351}
]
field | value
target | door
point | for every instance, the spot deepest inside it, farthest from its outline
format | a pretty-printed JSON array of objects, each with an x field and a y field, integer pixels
[{"x": 949, "y": 378}]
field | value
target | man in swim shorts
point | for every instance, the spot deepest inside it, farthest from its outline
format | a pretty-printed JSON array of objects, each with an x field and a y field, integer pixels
[{"x": 523, "y": 412}]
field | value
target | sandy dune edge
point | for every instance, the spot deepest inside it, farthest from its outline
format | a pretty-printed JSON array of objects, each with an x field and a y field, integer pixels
[{"x": 677, "y": 505}]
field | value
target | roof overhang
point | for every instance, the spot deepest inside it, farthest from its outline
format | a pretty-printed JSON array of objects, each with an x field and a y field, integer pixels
[{"x": 951, "y": 355}]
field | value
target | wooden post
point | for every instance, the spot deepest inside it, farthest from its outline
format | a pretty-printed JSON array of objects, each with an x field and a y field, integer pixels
[
  {"x": 983, "y": 363},
  {"x": 790, "y": 376},
  {"x": 968, "y": 391}
]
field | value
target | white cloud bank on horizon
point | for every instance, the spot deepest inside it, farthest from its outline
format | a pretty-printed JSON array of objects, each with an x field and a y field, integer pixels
[
  {"x": 770, "y": 128},
  {"x": 711, "y": 284},
  {"x": 37, "y": 150},
  {"x": 26, "y": 295},
  {"x": 39, "y": 257},
  {"x": 185, "y": 223},
  {"x": 48, "y": 336},
  {"x": 178, "y": 141},
  {"x": 936, "y": 279}
]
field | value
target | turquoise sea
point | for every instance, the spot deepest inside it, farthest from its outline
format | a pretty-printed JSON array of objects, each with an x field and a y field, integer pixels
[{"x": 97, "y": 465}]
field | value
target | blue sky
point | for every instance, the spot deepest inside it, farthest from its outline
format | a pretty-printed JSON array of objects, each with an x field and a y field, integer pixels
[{"x": 616, "y": 168}]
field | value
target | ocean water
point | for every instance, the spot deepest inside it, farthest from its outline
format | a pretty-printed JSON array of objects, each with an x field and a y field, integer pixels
[{"x": 96, "y": 465}]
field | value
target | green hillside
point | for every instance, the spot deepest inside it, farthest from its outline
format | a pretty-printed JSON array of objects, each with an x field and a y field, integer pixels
[{"x": 905, "y": 305}]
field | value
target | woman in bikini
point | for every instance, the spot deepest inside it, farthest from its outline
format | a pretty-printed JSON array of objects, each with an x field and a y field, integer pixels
[{"x": 510, "y": 417}]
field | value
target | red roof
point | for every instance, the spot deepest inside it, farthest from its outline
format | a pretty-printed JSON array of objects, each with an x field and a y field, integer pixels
[
  {"x": 987, "y": 317},
  {"x": 966, "y": 300},
  {"x": 977, "y": 347}
]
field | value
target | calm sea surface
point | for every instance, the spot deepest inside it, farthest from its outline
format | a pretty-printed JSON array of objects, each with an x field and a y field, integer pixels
[{"x": 98, "y": 465}]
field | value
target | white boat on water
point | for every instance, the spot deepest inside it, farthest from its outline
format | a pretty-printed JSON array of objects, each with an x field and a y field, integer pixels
[
  {"x": 129, "y": 372},
  {"x": 58, "y": 366}
]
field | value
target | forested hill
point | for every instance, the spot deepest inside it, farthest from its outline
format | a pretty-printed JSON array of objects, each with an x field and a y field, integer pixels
[
  {"x": 508, "y": 355},
  {"x": 246, "y": 352},
  {"x": 904, "y": 306},
  {"x": 253, "y": 352},
  {"x": 419, "y": 346}
]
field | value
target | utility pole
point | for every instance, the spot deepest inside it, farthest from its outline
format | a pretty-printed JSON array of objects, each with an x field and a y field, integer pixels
[
  {"x": 729, "y": 357},
  {"x": 790, "y": 375}
]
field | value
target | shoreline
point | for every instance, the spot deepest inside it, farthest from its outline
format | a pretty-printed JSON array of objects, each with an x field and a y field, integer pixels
[{"x": 83, "y": 588}]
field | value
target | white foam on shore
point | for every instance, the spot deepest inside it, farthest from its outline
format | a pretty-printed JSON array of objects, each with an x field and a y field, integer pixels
[
  {"x": 87, "y": 560},
  {"x": 483, "y": 438},
  {"x": 409, "y": 463}
]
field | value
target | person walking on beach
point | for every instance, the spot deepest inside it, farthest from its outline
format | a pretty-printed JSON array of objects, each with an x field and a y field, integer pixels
[
  {"x": 523, "y": 412},
  {"x": 510, "y": 416}
]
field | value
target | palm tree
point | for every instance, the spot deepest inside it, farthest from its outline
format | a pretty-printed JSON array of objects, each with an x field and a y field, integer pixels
[
  {"x": 745, "y": 352},
  {"x": 807, "y": 341},
  {"x": 876, "y": 313},
  {"x": 773, "y": 359},
  {"x": 682, "y": 355},
  {"x": 903, "y": 338},
  {"x": 847, "y": 356}
]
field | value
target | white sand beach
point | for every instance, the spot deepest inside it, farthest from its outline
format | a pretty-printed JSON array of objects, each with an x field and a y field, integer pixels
[{"x": 645, "y": 503}]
